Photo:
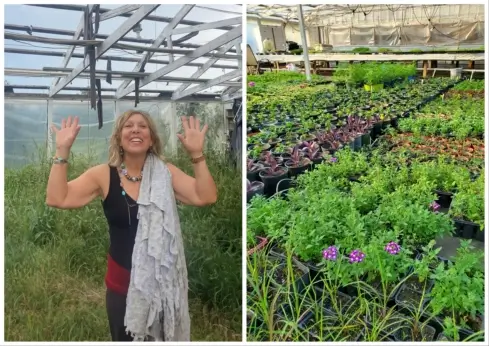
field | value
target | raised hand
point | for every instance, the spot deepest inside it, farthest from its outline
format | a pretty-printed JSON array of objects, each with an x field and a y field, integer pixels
[
  {"x": 193, "y": 137},
  {"x": 65, "y": 137}
]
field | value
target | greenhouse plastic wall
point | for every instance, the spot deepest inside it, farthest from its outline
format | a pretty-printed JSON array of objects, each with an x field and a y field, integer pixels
[
  {"x": 454, "y": 25},
  {"x": 28, "y": 139}
]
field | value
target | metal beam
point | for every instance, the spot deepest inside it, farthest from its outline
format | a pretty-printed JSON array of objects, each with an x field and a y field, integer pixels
[
  {"x": 106, "y": 57},
  {"x": 207, "y": 26},
  {"x": 216, "y": 81},
  {"x": 45, "y": 87},
  {"x": 164, "y": 96},
  {"x": 103, "y": 10},
  {"x": 22, "y": 37},
  {"x": 159, "y": 40},
  {"x": 137, "y": 17},
  {"x": 124, "y": 75},
  {"x": 232, "y": 96},
  {"x": 207, "y": 65},
  {"x": 116, "y": 12},
  {"x": 71, "y": 49},
  {"x": 41, "y": 30},
  {"x": 210, "y": 46}
]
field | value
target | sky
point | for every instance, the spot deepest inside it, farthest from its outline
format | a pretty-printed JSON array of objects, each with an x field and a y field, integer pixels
[{"x": 68, "y": 20}]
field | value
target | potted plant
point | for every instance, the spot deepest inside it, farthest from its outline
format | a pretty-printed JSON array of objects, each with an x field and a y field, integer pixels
[
  {"x": 297, "y": 163},
  {"x": 253, "y": 188},
  {"x": 252, "y": 169},
  {"x": 272, "y": 174},
  {"x": 312, "y": 151}
]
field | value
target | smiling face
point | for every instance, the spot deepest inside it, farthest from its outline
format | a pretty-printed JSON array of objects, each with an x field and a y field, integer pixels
[{"x": 136, "y": 135}]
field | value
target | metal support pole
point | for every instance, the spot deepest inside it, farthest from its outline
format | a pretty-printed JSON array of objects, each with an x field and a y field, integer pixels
[{"x": 305, "y": 52}]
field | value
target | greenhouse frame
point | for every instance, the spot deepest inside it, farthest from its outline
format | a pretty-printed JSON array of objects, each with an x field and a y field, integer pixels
[{"x": 94, "y": 78}]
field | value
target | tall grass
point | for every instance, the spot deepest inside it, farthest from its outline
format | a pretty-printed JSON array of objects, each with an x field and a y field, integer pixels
[{"x": 55, "y": 260}]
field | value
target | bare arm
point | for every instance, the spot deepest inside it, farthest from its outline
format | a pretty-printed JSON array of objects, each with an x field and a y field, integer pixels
[
  {"x": 198, "y": 191},
  {"x": 77, "y": 193}
]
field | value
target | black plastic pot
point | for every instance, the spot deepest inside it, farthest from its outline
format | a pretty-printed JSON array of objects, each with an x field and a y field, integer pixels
[
  {"x": 271, "y": 181},
  {"x": 405, "y": 334},
  {"x": 395, "y": 322},
  {"x": 467, "y": 229},
  {"x": 295, "y": 171},
  {"x": 444, "y": 198},
  {"x": 366, "y": 138},
  {"x": 253, "y": 176},
  {"x": 404, "y": 289},
  {"x": 464, "y": 333},
  {"x": 480, "y": 235},
  {"x": 377, "y": 130},
  {"x": 257, "y": 191},
  {"x": 316, "y": 162},
  {"x": 276, "y": 252},
  {"x": 326, "y": 319}
]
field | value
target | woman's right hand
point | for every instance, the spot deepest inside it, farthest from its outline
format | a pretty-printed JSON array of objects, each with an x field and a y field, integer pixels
[{"x": 65, "y": 137}]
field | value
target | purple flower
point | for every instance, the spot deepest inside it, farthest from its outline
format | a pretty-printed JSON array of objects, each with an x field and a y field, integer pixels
[
  {"x": 251, "y": 84},
  {"x": 393, "y": 248},
  {"x": 124, "y": 171},
  {"x": 435, "y": 206},
  {"x": 330, "y": 253},
  {"x": 356, "y": 256},
  {"x": 333, "y": 159}
]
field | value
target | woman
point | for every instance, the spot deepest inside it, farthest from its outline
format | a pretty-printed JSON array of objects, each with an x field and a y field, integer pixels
[{"x": 133, "y": 144}]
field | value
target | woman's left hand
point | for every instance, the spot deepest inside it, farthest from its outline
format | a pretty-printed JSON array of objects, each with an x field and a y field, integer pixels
[{"x": 193, "y": 137}]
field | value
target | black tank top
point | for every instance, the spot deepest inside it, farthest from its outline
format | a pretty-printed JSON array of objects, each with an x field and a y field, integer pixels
[{"x": 121, "y": 212}]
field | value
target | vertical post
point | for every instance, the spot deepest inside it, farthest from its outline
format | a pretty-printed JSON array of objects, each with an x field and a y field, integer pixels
[
  {"x": 425, "y": 68},
  {"x": 170, "y": 46},
  {"x": 305, "y": 51},
  {"x": 238, "y": 52},
  {"x": 173, "y": 128},
  {"x": 49, "y": 144}
]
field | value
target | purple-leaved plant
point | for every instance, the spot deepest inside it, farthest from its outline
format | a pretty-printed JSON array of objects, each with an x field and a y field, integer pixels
[
  {"x": 311, "y": 150},
  {"x": 253, "y": 186},
  {"x": 272, "y": 167},
  {"x": 297, "y": 159},
  {"x": 253, "y": 166}
]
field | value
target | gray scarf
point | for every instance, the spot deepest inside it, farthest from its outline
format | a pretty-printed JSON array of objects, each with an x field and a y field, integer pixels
[{"x": 157, "y": 300}]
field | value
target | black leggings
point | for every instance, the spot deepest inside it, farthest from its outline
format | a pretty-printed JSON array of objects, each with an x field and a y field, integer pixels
[{"x": 116, "y": 311}]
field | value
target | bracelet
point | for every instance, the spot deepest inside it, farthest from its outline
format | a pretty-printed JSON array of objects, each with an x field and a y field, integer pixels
[
  {"x": 198, "y": 159},
  {"x": 59, "y": 160}
]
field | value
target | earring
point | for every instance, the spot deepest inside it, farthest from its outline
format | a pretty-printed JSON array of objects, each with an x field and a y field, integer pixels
[
  {"x": 150, "y": 150},
  {"x": 121, "y": 151}
]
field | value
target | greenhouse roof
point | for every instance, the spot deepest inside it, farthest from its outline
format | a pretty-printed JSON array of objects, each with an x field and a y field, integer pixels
[
  {"x": 164, "y": 51},
  {"x": 421, "y": 13}
]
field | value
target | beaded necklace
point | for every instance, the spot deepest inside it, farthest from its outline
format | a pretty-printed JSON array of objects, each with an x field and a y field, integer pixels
[{"x": 123, "y": 171}]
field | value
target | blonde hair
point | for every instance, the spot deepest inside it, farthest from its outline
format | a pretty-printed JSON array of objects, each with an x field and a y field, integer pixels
[{"x": 115, "y": 157}]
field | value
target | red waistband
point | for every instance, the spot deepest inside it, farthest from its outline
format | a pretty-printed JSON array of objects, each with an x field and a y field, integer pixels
[{"x": 117, "y": 278}]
